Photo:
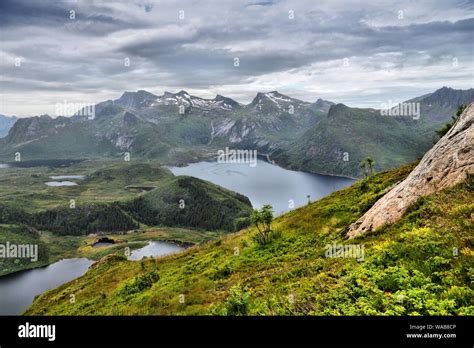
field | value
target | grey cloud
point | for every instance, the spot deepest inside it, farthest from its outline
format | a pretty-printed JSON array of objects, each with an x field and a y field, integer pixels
[{"x": 198, "y": 52}]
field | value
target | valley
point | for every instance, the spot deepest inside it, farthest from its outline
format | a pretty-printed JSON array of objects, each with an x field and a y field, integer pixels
[
  {"x": 66, "y": 220},
  {"x": 107, "y": 182},
  {"x": 291, "y": 276}
]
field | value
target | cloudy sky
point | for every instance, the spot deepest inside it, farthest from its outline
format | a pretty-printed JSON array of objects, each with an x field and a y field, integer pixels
[{"x": 361, "y": 53}]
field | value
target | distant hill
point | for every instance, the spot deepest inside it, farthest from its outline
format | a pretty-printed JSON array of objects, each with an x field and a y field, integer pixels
[
  {"x": 6, "y": 123},
  {"x": 443, "y": 103},
  {"x": 177, "y": 128},
  {"x": 346, "y": 136},
  {"x": 174, "y": 127},
  {"x": 190, "y": 202}
]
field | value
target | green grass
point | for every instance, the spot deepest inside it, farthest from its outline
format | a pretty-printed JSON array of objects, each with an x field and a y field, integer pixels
[
  {"x": 105, "y": 202},
  {"x": 106, "y": 182},
  {"x": 409, "y": 268}
]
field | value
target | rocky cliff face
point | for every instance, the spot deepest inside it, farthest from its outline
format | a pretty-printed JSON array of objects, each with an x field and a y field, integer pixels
[{"x": 446, "y": 164}]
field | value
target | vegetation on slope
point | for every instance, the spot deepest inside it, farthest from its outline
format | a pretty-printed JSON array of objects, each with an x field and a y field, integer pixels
[
  {"x": 422, "y": 265},
  {"x": 346, "y": 136},
  {"x": 21, "y": 235},
  {"x": 52, "y": 247},
  {"x": 191, "y": 202},
  {"x": 172, "y": 202}
]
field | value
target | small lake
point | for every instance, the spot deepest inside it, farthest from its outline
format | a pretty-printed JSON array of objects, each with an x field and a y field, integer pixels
[
  {"x": 102, "y": 244},
  {"x": 155, "y": 248},
  {"x": 18, "y": 290},
  {"x": 61, "y": 183},
  {"x": 266, "y": 183},
  {"x": 63, "y": 177}
]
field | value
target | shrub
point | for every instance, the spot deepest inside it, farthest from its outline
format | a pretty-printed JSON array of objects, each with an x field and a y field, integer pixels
[
  {"x": 262, "y": 219},
  {"x": 238, "y": 301},
  {"x": 140, "y": 283}
]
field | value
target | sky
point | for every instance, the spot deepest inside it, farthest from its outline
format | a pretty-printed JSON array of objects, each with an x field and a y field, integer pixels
[{"x": 361, "y": 53}]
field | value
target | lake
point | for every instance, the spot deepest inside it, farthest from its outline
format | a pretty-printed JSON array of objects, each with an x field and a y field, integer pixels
[
  {"x": 155, "y": 248},
  {"x": 266, "y": 183},
  {"x": 18, "y": 290},
  {"x": 62, "y": 177},
  {"x": 64, "y": 183},
  {"x": 60, "y": 183}
]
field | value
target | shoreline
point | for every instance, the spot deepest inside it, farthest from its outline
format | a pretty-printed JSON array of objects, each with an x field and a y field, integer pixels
[{"x": 185, "y": 245}]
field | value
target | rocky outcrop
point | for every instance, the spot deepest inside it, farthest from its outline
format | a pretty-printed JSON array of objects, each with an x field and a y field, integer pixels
[{"x": 446, "y": 164}]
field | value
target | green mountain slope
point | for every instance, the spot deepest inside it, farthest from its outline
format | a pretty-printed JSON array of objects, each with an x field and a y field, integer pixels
[
  {"x": 420, "y": 265},
  {"x": 122, "y": 197},
  {"x": 190, "y": 202},
  {"x": 346, "y": 136}
]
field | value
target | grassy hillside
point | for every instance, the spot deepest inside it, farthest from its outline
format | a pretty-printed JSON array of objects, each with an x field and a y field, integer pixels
[
  {"x": 191, "y": 202},
  {"x": 422, "y": 265},
  {"x": 121, "y": 197}
]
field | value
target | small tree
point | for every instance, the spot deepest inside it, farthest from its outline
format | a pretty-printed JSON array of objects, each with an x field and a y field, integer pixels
[
  {"x": 363, "y": 166},
  {"x": 445, "y": 129},
  {"x": 370, "y": 164},
  {"x": 367, "y": 167},
  {"x": 262, "y": 219}
]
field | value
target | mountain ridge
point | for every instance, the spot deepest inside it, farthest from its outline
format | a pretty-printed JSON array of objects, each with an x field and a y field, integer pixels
[{"x": 179, "y": 128}]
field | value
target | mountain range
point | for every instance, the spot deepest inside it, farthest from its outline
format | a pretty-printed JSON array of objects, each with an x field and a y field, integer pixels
[{"x": 178, "y": 128}]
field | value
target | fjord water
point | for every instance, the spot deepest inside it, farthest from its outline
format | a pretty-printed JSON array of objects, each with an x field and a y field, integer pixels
[
  {"x": 266, "y": 183},
  {"x": 18, "y": 290}
]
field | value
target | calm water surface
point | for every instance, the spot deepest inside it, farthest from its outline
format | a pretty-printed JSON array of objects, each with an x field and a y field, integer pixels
[
  {"x": 18, "y": 290},
  {"x": 61, "y": 183},
  {"x": 266, "y": 183}
]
